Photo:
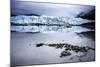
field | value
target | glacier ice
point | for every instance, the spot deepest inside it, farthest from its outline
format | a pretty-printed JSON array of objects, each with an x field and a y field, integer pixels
[{"x": 65, "y": 23}]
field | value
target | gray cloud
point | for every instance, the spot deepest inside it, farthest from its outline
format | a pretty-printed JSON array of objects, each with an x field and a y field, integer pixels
[{"x": 18, "y": 7}]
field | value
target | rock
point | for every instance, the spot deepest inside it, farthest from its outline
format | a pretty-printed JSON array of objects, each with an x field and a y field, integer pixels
[
  {"x": 65, "y": 53},
  {"x": 38, "y": 45}
]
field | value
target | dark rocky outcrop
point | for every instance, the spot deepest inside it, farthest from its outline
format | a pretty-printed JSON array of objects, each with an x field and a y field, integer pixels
[
  {"x": 65, "y": 53},
  {"x": 40, "y": 44},
  {"x": 68, "y": 48},
  {"x": 89, "y": 15}
]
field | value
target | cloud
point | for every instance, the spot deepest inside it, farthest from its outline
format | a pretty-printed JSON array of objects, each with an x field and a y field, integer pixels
[{"x": 18, "y": 7}]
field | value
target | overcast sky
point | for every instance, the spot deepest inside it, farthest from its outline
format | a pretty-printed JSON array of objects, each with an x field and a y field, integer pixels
[{"x": 48, "y": 9}]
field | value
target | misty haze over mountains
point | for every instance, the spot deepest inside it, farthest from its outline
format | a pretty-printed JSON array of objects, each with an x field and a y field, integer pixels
[{"x": 25, "y": 8}]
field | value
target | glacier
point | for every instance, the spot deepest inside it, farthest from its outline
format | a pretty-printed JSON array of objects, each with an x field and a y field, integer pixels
[{"x": 46, "y": 24}]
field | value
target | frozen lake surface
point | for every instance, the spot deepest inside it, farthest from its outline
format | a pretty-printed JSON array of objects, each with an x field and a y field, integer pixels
[{"x": 25, "y": 52}]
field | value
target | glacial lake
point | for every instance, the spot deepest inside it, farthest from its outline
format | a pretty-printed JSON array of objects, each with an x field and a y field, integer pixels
[{"x": 24, "y": 50}]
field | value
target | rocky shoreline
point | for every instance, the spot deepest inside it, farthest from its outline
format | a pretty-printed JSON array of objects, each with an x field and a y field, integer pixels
[{"x": 68, "y": 48}]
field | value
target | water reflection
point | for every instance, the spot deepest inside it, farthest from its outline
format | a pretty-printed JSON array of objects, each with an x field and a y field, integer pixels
[{"x": 48, "y": 29}]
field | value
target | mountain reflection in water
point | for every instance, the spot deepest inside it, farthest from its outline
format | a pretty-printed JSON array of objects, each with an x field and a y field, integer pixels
[{"x": 46, "y": 44}]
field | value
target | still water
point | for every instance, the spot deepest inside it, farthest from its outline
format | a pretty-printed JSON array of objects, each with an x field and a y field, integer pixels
[
  {"x": 48, "y": 29},
  {"x": 25, "y": 52}
]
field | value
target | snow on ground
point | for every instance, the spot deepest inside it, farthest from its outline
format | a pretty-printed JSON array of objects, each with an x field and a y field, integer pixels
[{"x": 25, "y": 52}]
